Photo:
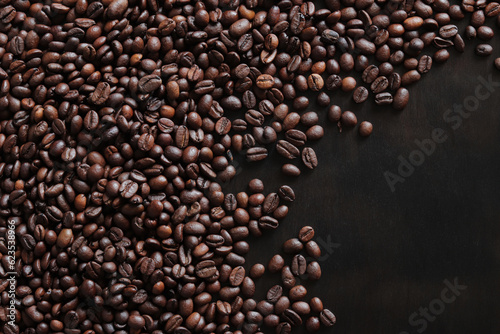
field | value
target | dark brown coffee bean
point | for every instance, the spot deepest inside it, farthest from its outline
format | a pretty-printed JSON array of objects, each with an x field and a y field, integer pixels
[
  {"x": 299, "y": 265},
  {"x": 309, "y": 158},
  {"x": 379, "y": 85},
  {"x": 401, "y": 99},
  {"x": 276, "y": 264},
  {"x": 287, "y": 149},
  {"x": 206, "y": 269},
  {"x": 349, "y": 119},
  {"x": 315, "y": 82},
  {"x": 274, "y": 293},
  {"x": 286, "y": 193},
  {"x": 149, "y": 83},
  {"x": 327, "y": 318},
  {"x": 484, "y": 50},
  {"x": 292, "y": 317},
  {"x": 256, "y": 153},
  {"x": 424, "y": 64},
  {"x": 365, "y": 129},
  {"x": 448, "y": 31},
  {"x": 100, "y": 94},
  {"x": 306, "y": 233},
  {"x": 360, "y": 94},
  {"x": 237, "y": 275},
  {"x": 296, "y": 137}
]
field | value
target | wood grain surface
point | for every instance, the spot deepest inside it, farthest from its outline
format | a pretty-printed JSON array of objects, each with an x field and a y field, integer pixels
[{"x": 388, "y": 253}]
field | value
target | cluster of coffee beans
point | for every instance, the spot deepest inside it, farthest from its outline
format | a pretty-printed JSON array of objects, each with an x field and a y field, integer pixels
[{"x": 119, "y": 123}]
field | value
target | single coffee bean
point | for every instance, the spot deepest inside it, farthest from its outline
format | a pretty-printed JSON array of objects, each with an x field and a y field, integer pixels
[
  {"x": 306, "y": 233},
  {"x": 313, "y": 271},
  {"x": 292, "y": 246},
  {"x": 287, "y": 149},
  {"x": 327, "y": 318},
  {"x": 379, "y": 85},
  {"x": 274, "y": 293},
  {"x": 484, "y": 50},
  {"x": 149, "y": 83},
  {"x": 256, "y": 153},
  {"x": 286, "y": 193},
  {"x": 401, "y": 99},
  {"x": 365, "y": 129},
  {"x": 265, "y": 81},
  {"x": 315, "y": 82},
  {"x": 299, "y": 265},
  {"x": 360, "y": 94},
  {"x": 424, "y": 64},
  {"x": 349, "y": 119},
  {"x": 276, "y": 263},
  {"x": 309, "y": 158},
  {"x": 290, "y": 170}
]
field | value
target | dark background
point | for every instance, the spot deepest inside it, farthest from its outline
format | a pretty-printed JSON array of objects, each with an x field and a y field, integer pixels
[{"x": 390, "y": 251}]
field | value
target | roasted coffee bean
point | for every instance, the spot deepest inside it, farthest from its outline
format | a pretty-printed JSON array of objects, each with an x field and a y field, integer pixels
[
  {"x": 306, "y": 233},
  {"x": 484, "y": 50},
  {"x": 276, "y": 263},
  {"x": 296, "y": 137},
  {"x": 365, "y": 129},
  {"x": 149, "y": 83},
  {"x": 206, "y": 269},
  {"x": 348, "y": 119},
  {"x": 313, "y": 271},
  {"x": 327, "y": 318},
  {"x": 256, "y": 153},
  {"x": 309, "y": 158},
  {"x": 299, "y": 265},
  {"x": 292, "y": 246},
  {"x": 424, "y": 64},
  {"x": 287, "y": 149},
  {"x": 315, "y": 82},
  {"x": 292, "y": 317},
  {"x": 274, "y": 293},
  {"x": 265, "y": 81},
  {"x": 401, "y": 99},
  {"x": 360, "y": 94},
  {"x": 286, "y": 193}
]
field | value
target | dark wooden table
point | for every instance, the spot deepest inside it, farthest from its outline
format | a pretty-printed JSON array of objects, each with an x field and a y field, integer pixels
[{"x": 390, "y": 254}]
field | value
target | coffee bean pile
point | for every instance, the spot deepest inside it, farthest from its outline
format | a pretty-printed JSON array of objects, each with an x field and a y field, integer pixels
[{"x": 120, "y": 120}]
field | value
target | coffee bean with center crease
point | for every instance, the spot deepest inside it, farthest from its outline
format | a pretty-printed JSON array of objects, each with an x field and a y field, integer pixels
[
  {"x": 287, "y": 149},
  {"x": 309, "y": 158},
  {"x": 360, "y": 94},
  {"x": 205, "y": 269},
  {"x": 265, "y": 81},
  {"x": 256, "y": 153},
  {"x": 149, "y": 83},
  {"x": 274, "y": 293},
  {"x": 424, "y": 64},
  {"x": 383, "y": 98},
  {"x": 299, "y": 265},
  {"x": 100, "y": 94},
  {"x": 306, "y": 233},
  {"x": 327, "y": 318},
  {"x": 370, "y": 74},
  {"x": 379, "y": 85},
  {"x": 484, "y": 50}
]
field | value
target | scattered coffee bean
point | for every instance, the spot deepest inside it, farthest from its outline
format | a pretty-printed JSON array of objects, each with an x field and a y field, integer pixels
[{"x": 365, "y": 129}]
